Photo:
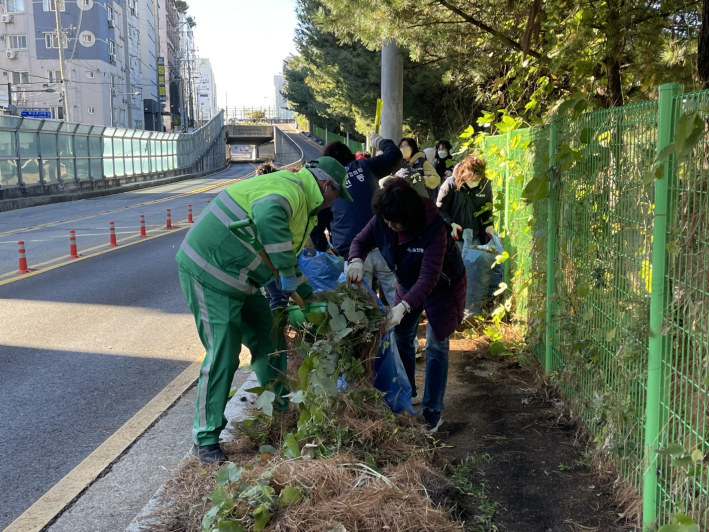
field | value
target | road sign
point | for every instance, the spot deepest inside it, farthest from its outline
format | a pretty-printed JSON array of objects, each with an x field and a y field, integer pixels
[{"x": 36, "y": 112}]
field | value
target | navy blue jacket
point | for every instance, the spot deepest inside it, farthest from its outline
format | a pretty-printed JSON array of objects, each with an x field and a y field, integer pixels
[{"x": 363, "y": 175}]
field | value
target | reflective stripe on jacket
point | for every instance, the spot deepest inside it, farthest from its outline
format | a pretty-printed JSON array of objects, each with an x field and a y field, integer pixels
[{"x": 282, "y": 206}]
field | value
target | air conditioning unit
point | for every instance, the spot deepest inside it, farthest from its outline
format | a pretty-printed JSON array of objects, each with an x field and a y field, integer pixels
[
  {"x": 111, "y": 58},
  {"x": 11, "y": 54},
  {"x": 7, "y": 19},
  {"x": 110, "y": 23}
]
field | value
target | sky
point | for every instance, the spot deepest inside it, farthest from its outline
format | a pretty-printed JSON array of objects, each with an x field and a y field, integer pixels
[{"x": 246, "y": 42}]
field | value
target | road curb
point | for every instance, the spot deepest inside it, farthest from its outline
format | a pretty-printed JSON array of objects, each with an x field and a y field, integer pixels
[{"x": 237, "y": 410}]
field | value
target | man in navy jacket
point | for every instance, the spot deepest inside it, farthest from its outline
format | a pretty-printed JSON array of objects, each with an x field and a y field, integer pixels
[{"x": 346, "y": 219}]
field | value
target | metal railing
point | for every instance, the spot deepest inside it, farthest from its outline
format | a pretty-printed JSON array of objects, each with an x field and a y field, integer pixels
[
  {"x": 609, "y": 269},
  {"x": 329, "y": 136},
  {"x": 44, "y": 152}
]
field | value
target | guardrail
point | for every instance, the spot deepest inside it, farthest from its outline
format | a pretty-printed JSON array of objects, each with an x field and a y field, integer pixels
[
  {"x": 41, "y": 153},
  {"x": 283, "y": 153}
]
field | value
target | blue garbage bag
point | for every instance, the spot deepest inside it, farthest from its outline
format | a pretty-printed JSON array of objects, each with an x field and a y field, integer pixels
[
  {"x": 390, "y": 376},
  {"x": 322, "y": 269},
  {"x": 389, "y": 373},
  {"x": 484, "y": 275}
]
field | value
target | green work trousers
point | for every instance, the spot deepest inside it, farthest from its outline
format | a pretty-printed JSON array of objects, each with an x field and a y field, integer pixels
[{"x": 224, "y": 323}]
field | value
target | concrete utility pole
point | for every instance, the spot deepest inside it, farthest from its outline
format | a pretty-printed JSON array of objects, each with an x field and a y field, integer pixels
[
  {"x": 62, "y": 68},
  {"x": 392, "y": 92}
]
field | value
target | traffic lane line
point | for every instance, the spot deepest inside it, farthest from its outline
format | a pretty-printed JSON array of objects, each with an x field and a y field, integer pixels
[
  {"x": 126, "y": 207},
  {"x": 84, "y": 257},
  {"x": 50, "y": 505}
]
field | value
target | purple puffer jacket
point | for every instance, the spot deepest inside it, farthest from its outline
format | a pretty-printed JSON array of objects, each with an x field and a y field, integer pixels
[{"x": 428, "y": 265}]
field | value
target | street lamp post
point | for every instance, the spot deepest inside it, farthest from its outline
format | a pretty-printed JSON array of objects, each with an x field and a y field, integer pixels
[{"x": 11, "y": 108}]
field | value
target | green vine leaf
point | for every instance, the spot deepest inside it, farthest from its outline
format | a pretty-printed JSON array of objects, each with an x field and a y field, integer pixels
[
  {"x": 291, "y": 449},
  {"x": 228, "y": 474},
  {"x": 265, "y": 402},
  {"x": 537, "y": 189},
  {"x": 290, "y": 495},
  {"x": 690, "y": 129},
  {"x": 261, "y": 518},
  {"x": 230, "y": 526}
]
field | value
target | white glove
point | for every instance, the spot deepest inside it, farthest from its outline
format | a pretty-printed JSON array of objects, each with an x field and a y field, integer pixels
[
  {"x": 374, "y": 139},
  {"x": 490, "y": 230},
  {"x": 456, "y": 230},
  {"x": 355, "y": 271},
  {"x": 395, "y": 315}
]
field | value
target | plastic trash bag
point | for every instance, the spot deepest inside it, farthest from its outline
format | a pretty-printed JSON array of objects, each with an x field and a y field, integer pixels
[
  {"x": 389, "y": 373},
  {"x": 484, "y": 276},
  {"x": 322, "y": 269}
]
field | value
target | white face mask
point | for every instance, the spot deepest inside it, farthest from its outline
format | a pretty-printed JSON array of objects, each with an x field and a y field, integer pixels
[
  {"x": 442, "y": 154},
  {"x": 472, "y": 184}
]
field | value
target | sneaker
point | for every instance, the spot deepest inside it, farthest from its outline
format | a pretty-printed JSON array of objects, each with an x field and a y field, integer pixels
[
  {"x": 433, "y": 421},
  {"x": 209, "y": 454},
  {"x": 415, "y": 400}
]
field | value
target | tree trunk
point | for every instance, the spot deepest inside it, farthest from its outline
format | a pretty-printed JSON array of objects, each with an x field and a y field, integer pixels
[
  {"x": 703, "y": 47},
  {"x": 615, "y": 86}
]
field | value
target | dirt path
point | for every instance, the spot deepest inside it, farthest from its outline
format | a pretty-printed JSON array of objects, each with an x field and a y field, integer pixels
[{"x": 536, "y": 469}]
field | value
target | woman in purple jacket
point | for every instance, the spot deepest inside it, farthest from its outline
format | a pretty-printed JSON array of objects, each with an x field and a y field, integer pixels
[{"x": 416, "y": 244}]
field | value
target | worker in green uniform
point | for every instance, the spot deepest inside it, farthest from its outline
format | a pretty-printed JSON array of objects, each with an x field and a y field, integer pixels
[{"x": 221, "y": 274}]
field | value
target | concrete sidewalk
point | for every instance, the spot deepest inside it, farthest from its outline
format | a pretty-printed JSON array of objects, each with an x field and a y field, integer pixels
[{"x": 123, "y": 497}]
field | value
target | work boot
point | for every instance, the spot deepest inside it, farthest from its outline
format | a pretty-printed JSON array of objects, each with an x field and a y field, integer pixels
[{"x": 209, "y": 454}]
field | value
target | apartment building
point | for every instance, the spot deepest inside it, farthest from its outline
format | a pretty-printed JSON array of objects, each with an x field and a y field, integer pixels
[
  {"x": 110, "y": 60},
  {"x": 207, "y": 90}
]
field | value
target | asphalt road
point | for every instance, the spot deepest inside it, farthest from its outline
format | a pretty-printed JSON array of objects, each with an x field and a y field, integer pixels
[
  {"x": 311, "y": 151},
  {"x": 84, "y": 346},
  {"x": 45, "y": 229}
]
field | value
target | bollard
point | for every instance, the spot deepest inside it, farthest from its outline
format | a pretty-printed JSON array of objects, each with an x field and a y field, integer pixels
[
  {"x": 169, "y": 219},
  {"x": 23, "y": 259},
  {"x": 114, "y": 242},
  {"x": 73, "y": 253},
  {"x": 189, "y": 214},
  {"x": 143, "y": 234}
]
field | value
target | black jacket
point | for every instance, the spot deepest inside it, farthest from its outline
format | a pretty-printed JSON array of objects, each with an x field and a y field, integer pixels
[
  {"x": 460, "y": 206},
  {"x": 363, "y": 175}
]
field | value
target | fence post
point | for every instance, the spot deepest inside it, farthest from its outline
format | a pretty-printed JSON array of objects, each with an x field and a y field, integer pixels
[
  {"x": 668, "y": 112},
  {"x": 551, "y": 246},
  {"x": 506, "y": 214}
]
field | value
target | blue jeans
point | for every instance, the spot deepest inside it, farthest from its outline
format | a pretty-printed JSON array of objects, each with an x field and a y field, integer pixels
[
  {"x": 275, "y": 297},
  {"x": 436, "y": 363}
]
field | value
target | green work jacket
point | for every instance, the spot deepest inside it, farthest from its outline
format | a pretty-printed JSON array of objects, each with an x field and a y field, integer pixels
[{"x": 281, "y": 204}]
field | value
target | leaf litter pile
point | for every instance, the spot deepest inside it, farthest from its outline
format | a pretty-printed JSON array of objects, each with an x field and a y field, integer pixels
[{"x": 336, "y": 460}]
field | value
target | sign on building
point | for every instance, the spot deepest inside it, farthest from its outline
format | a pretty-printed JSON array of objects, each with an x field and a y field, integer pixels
[
  {"x": 37, "y": 112},
  {"x": 161, "y": 80}
]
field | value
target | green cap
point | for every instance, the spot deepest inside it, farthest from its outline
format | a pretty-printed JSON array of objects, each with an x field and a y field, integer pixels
[{"x": 336, "y": 171}]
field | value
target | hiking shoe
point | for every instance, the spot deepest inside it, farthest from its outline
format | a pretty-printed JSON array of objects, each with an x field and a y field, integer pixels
[
  {"x": 209, "y": 454},
  {"x": 415, "y": 400}
]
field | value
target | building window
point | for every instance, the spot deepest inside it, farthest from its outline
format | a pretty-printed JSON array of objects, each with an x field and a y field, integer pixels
[
  {"x": 90, "y": 74},
  {"x": 20, "y": 77},
  {"x": 15, "y": 6},
  {"x": 57, "y": 112},
  {"x": 87, "y": 3},
  {"x": 88, "y": 39},
  {"x": 138, "y": 124},
  {"x": 18, "y": 42},
  {"x": 92, "y": 110},
  {"x": 51, "y": 41},
  {"x": 113, "y": 80},
  {"x": 51, "y": 5},
  {"x": 54, "y": 76},
  {"x": 111, "y": 47},
  {"x": 109, "y": 12}
]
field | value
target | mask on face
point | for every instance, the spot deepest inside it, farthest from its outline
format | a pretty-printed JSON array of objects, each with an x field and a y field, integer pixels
[
  {"x": 472, "y": 184},
  {"x": 406, "y": 152},
  {"x": 442, "y": 154}
]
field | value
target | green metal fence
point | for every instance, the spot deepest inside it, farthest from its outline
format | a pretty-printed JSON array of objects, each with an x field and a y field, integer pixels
[
  {"x": 329, "y": 136},
  {"x": 609, "y": 269}
]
